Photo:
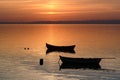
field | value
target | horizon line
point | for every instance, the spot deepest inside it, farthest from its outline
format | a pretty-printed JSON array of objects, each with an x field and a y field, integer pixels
[{"x": 67, "y": 22}]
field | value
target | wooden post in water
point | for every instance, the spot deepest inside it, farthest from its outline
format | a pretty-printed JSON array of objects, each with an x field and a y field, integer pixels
[{"x": 41, "y": 61}]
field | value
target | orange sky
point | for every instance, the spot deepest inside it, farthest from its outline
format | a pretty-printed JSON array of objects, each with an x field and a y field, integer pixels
[{"x": 39, "y": 10}]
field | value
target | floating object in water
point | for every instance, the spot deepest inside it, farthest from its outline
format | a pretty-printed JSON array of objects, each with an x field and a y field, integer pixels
[
  {"x": 41, "y": 61},
  {"x": 26, "y": 48},
  {"x": 81, "y": 61},
  {"x": 60, "y": 48}
]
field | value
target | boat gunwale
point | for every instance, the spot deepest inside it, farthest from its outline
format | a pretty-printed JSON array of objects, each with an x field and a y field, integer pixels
[
  {"x": 60, "y": 46},
  {"x": 78, "y": 58}
]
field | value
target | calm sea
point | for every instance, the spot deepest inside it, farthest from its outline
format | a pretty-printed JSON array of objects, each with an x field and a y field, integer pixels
[{"x": 91, "y": 40}]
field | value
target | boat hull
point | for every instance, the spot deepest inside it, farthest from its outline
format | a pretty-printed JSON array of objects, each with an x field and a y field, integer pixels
[
  {"x": 70, "y": 51},
  {"x": 81, "y": 61},
  {"x": 60, "y": 48}
]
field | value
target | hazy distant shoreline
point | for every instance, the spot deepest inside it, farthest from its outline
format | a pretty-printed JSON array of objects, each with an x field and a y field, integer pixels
[{"x": 67, "y": 22}]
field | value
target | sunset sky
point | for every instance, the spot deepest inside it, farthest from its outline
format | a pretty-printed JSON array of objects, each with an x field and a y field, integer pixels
[{"x": 41, "y": 10}]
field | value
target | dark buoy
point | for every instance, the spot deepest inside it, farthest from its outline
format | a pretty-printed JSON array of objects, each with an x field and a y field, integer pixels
[
  {"x": 28, "y": 48},
  {"x": 41, "y": 61}
]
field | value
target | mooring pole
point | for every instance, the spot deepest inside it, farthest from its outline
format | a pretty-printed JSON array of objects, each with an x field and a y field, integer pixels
[{"x": 41, "y": 61}]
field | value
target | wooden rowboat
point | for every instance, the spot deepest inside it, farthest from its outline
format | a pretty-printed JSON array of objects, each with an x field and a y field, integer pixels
[
  {"x": 60, "y": 48},
  {"x": 80, "y": 61}
]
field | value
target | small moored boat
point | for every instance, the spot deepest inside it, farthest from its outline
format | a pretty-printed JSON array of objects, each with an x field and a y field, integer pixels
[
  {"x": 60, "y": 48},
  {"x": 81, "y": 61}
]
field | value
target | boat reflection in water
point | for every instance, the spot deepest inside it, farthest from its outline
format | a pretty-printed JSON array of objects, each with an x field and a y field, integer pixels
[
  {"x": 76, "y": 63},
  {"x": 53, "y": 48},
  {"x": 78, "y": 66}
]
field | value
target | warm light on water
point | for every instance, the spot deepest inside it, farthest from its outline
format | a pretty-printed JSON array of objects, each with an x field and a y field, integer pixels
[{"x": 96, "y": 40}]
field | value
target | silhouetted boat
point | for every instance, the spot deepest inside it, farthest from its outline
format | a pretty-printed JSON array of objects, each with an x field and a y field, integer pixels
[
  {"x": 60, "y": 48},
  {"x": 78, "y": 66},
  {"x": 81, "y": 61}
]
